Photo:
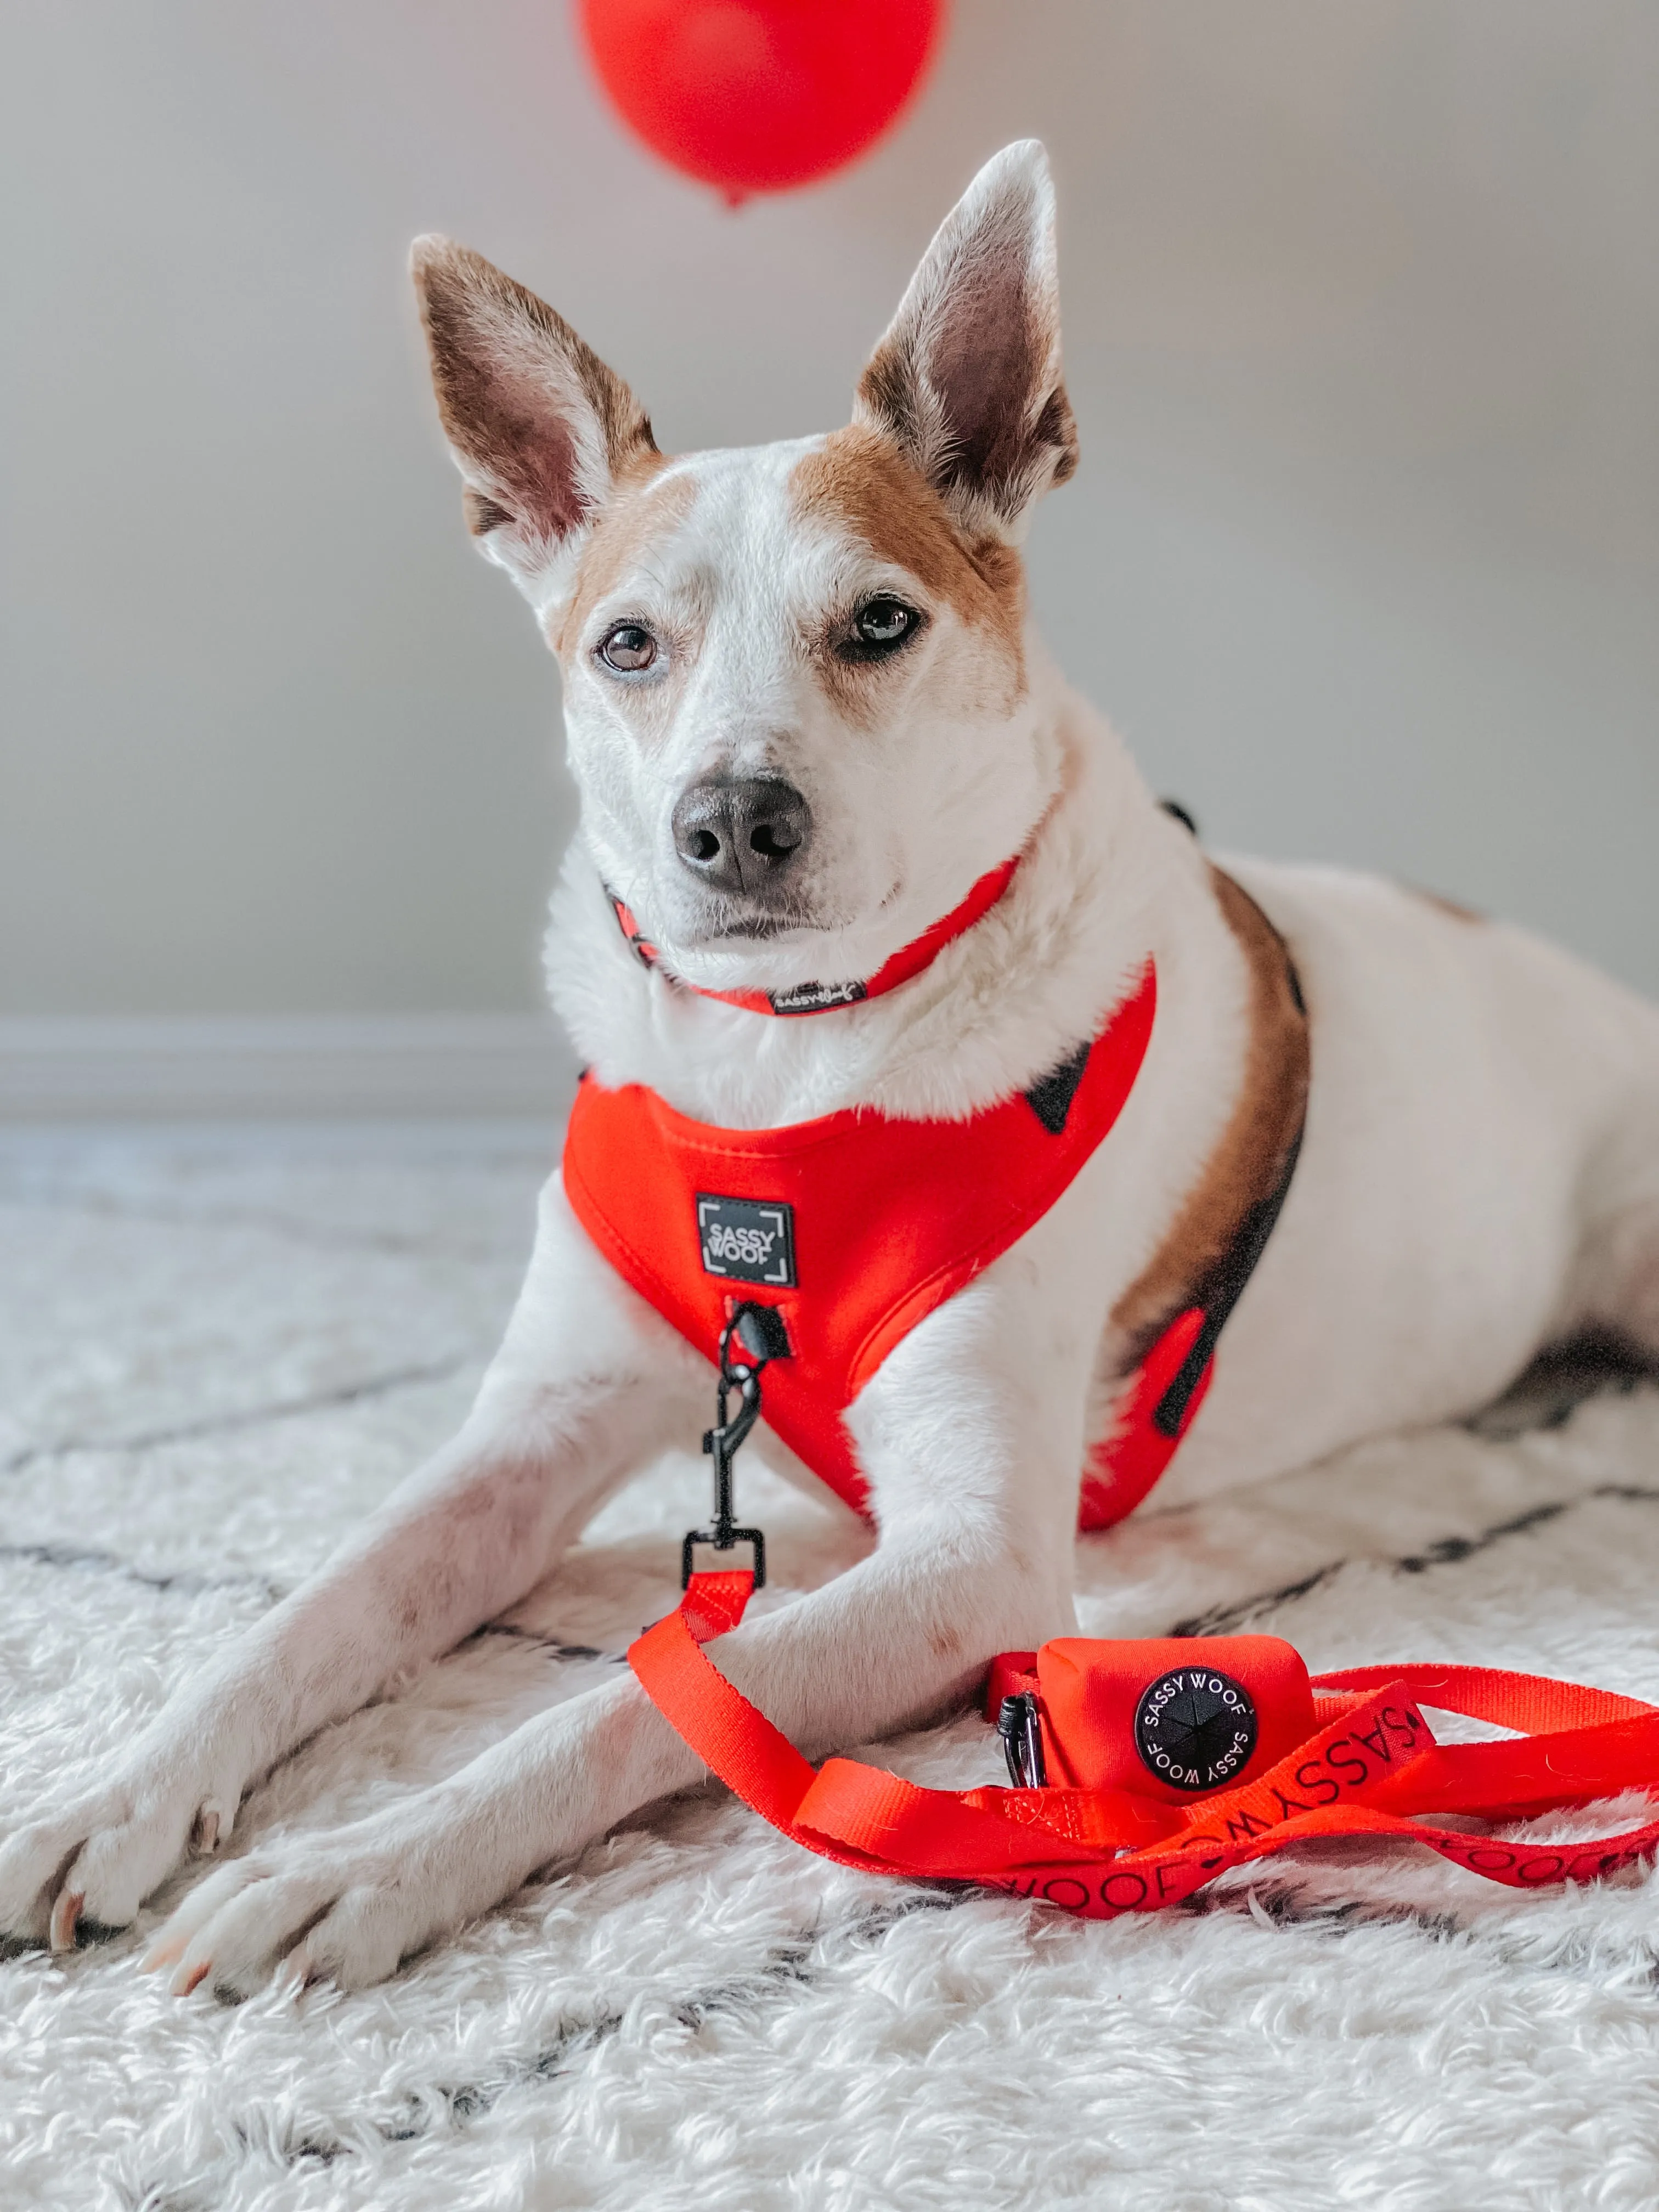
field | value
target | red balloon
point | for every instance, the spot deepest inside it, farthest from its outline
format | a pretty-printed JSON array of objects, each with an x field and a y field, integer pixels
[{"x": 756, "y": 95}]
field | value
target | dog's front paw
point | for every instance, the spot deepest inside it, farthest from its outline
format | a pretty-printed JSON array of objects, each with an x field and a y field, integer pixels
[
  {"x": 346, "y": 1907},
  {"x": 98, "y": 1856}
]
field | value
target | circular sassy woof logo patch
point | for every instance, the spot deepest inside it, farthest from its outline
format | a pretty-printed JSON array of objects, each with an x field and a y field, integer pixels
[{"x": 1195, "y": 1727}]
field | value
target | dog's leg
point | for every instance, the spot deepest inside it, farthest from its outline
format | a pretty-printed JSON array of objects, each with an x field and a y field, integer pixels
[
  {"x": 974, "y": 1457},
  {"x": 584, "y": 1389}
]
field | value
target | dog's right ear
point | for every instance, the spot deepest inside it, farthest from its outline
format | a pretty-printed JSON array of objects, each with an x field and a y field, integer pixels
[
  {"x": 540, "y": 429},
  {"x": 966, "y": 379}
]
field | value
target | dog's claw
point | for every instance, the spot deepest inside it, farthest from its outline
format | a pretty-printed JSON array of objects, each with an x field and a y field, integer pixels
[
  {"x": 161, "y": 1953},
  {"x": 205, "y": 1835},
  {"x": 65, "y": 1915},
  {"x": 187, "y": 1978}
]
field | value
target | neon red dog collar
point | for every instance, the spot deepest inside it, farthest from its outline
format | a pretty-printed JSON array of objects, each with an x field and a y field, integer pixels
[{"x": 820, "y": 998}]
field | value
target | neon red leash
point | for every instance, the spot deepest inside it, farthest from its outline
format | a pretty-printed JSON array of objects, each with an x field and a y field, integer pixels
[
  {"x": 1175, "y": 1758},
  {"x": 1370, "y": 1765}
]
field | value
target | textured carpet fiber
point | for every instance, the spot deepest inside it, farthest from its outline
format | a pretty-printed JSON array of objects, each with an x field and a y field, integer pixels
[{"x": 216, "y": 1350}]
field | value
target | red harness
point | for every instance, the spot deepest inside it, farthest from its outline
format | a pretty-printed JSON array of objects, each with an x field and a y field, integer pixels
[{"x": 856, "y": 1226}]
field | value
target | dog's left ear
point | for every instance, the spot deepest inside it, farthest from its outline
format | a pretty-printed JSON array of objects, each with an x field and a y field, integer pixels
[{"x": 967, "y": 378}]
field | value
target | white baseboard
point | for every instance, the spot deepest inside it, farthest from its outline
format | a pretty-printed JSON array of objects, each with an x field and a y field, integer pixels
[{"x": 322, "y": 1066}]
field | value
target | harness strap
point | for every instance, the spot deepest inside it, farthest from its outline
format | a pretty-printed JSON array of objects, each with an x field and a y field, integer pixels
[
  {"x": 1164, "y": 1394},
  {"x": 1370, "y": 1764}
]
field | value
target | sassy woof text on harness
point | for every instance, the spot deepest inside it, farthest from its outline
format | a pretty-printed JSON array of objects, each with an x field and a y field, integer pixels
[{"x": 1144, "y": 1769}]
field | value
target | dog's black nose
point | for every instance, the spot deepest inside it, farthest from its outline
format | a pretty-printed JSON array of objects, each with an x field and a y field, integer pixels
[{"x": 742, "y": 834}]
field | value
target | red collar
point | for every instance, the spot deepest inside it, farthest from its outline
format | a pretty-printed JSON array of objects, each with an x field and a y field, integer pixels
[{"x": 818, "y": 998}]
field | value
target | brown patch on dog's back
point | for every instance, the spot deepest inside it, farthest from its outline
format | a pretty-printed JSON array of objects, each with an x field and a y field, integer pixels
[
  {"x": 640, "y": 509},
  {"x": 859, "y": 478},
  {"x": 1248, "y": 1162}
]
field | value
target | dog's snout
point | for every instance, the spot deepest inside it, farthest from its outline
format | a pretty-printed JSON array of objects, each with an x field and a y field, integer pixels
[{"x": 742, "y": 834}]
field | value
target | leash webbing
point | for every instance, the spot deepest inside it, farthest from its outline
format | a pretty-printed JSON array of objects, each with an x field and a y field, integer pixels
[{"x": 1102, "y": 1852}]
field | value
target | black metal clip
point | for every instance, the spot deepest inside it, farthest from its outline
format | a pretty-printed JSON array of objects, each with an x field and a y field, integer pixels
[
  {"x": 760, "y": 1336},
  {"x": 1020, "y": 1726}
]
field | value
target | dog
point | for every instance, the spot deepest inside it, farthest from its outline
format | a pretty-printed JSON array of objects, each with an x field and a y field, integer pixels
[{"x": 807, "y": 714}]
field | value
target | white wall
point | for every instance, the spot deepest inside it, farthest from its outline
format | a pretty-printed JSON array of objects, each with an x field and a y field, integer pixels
[{"x": 1364, "y": 339}]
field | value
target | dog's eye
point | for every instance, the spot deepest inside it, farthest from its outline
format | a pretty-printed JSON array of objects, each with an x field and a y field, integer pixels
[
  {"x": 879, "y": 626},
  {"x": 628, "y": 648}
]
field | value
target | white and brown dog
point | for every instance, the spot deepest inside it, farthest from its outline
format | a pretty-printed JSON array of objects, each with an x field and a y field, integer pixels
[{"x": 807, "y": 712}]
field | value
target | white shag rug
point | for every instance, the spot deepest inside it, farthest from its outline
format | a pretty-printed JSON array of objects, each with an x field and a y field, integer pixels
[{"x": 218, "y": 1348}]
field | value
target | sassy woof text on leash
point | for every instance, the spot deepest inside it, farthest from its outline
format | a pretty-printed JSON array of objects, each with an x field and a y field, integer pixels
[{"x": 912, "y": 1020}]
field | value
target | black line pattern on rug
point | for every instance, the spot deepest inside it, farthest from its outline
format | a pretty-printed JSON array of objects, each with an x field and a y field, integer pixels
[
  {"x": 1282, "y": 1903},
  {"x": 214, "y": 1425},
  {"x": 1444, "y": 1551},
  {"x": 180, "y": 1581},
  {"x": 784, "y": 1970},
  {"x": 1281, "y": 1900},
  {"x": 185, "y": 1581},
  {"x": 1221, "y": 1619}
]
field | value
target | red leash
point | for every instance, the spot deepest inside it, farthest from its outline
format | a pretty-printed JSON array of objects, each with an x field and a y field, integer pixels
[
  {"x": 1367, "y": 1765},
  {"x": 1175, "y": 1758}
]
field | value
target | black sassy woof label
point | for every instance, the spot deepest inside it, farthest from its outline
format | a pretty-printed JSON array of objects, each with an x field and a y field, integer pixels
[
  {"x": 1195, "y": 1727},
  {"x": 752, "y": 1240},
  {"x": 815, "y": 997}
]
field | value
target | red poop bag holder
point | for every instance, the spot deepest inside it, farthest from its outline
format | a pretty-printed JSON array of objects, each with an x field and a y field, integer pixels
[{"x": 1144, "y": 1769}]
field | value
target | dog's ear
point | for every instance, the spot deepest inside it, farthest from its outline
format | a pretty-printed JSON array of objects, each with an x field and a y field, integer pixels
[
  {"x": 540, "y": 429},
  {"x": 967, "y": 378}
]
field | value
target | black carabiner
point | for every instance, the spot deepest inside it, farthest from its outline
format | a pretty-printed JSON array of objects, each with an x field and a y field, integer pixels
[
  {"x": 760, "y": 1336},
  {"x": 1020, "y": 1726}
]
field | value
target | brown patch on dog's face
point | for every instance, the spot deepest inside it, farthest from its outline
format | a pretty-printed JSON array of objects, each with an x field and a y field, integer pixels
[
  {"x": 640, "y": 510},
  {"x": 1248, "y": 1162},
  {"x": 858, "y": 480}
]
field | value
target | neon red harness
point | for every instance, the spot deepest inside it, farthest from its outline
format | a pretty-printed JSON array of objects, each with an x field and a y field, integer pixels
[{"x": 856, "y": 1226}]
